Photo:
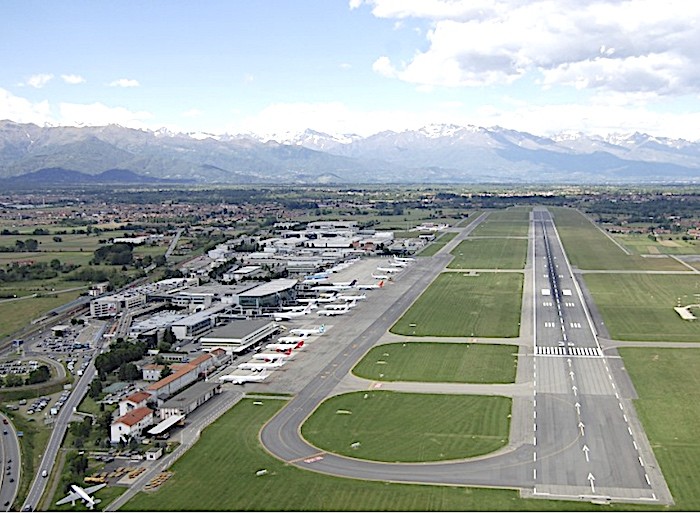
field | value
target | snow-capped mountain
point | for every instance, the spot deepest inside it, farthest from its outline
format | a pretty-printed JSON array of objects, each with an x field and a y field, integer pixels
[{"x": 434, "y": 153}]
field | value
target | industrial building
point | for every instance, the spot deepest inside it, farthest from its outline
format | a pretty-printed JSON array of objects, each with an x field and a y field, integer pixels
[
  {"x": 188, "y": 400},
  {"x": 270, "y": 295},
  {"x": 238, "y": 336}
]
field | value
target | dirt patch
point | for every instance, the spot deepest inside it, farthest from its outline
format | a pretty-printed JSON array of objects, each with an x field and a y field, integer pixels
[
  {"x": 669, "y": 243},
  {"x": 653, "y": 250}
]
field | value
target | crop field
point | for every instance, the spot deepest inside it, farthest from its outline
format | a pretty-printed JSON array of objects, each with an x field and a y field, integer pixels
[
  {"x": 640, "y": 306},
  {"x": 438, "y": 244},
  {"x": 668, "y": 384},
  {"x": 497, "y": 253},
  {"x": 487, "y": 305},
  {"x": 643, "y": 245},
  {"x": 394, "y": 426},
  {"x": 588, "y": 248},
  {"x": 230, "y": 452},
  {"x": 440, "y": 362}
]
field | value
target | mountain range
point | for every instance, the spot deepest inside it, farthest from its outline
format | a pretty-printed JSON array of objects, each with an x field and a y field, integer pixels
[{"x": 432, "y": 154}]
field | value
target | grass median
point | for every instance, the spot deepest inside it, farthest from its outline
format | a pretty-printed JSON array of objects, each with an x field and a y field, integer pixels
[
  {"x": 486, "y": 305},
  {"x": 440, "y": 362}
]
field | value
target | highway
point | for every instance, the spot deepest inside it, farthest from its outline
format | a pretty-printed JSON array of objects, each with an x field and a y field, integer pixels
[
  {"x": 60, "y": 426},
  {"x": 10, "y": 458},
  {"x": 580, "y": 442}
]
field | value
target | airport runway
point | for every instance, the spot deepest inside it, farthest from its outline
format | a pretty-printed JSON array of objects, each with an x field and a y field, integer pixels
[{"x": 583, "y": 440}]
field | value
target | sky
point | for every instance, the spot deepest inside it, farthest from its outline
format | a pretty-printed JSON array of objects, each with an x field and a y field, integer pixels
[{"x": 354, "y": 66}]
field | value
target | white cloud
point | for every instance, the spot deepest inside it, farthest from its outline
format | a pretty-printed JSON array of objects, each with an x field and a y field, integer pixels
[
  {"x": 40, "y": 80},
  {"x": 630, "y": 45},
  {"x": 354, "y": 4},
  {"x": 22, "y": 110},
  {"x": 73, "y": 79},
  {"x": 192, "y": 113},
  {"x": 124, "y": 82},
  {"x": 98, "y": 114}
]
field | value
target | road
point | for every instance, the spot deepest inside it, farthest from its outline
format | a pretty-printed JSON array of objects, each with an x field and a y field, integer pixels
[
  {"x": 582, "y": 440},
  {"x": 10, "y": 458},
  {"x": 60, "y": 426}
]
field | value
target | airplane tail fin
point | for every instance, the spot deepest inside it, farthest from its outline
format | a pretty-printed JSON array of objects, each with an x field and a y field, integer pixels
[
  {"x": 353, "y": 283},
  {"x": 381, "y": 284}
]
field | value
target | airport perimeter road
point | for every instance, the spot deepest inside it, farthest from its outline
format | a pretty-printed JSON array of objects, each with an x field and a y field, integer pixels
[{"x": 585, "y": 444}]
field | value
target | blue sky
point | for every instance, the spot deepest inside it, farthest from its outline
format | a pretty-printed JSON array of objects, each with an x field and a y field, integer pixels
[{"x": 362, "y": 66}]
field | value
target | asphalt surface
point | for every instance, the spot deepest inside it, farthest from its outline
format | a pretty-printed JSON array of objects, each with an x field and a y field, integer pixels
[
  {"x": 58, "y": 432},
  {"x": 10, "y": 458},
  {"x": 582, "y": 439}
]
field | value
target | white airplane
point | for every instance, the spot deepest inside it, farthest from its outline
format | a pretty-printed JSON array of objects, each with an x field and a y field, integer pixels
[
  {"x": 343, "y": 306},
  {"x": 292, "y": 339},
  {"x": 285, "y": 316},
  {"x": 353, "y": 298},
  {"x": 370, "y": 286},
  {"x": 316, "y": 278},
  {"x": 380, "y": 277},
  {"x": 242, "y": 379},
  {"x": 305, "y": 332},
  {"x": 334, "y": 312},
  {"x": 397, "y": 263},
  {"x": 281, "y": 348},
  {"x": 272, "y": 357},
  {"x": 300, "y": 308},
  {"x": 404, "y": 259},
  {"x": 336, "y": 287},
  {"x": 261, "y": 366},
  {"x": 83, "y": 494},
  {"x": 388, "y": 269}
]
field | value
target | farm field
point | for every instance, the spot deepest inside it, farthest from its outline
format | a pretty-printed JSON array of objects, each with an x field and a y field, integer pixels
[
  {"x": 668, "y": 385},
  {"x": 437, "y": 244},
  {"x": 487, "y": 305},
  {"x": 588, "y": 248},
  {"x": 640, "y": 306},
  {"x": 400, "y": 427},
  {"x": 440, "y": 362},
  {"x": 230, "y": 451},
  {"x": 497, "y": 253},
  {"x": 643, "y": 245}
]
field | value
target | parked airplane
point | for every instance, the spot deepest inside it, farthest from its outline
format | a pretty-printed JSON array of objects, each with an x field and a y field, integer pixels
[
  {"x": 316, "y": 278},
  {"x": 334, "y": 312},
  {"x": 388, "y": 269},
  {"x": 370, "y": 286},
  {"x": 285, "y": 316},
  {"x": 336, "y": 287},
  {"x": 261, "y": 366},
  {"x": 242, "y": 379},
  {"x": 342, "y": 306},
  {"x": 397, "y": 263},
  {"x": 280, "y": 347},
  {"x": 291, "y": 339},
  {"x": 300, "y": 308},
  {"x": 403, "y": 259},
  {"x": 305, "y": 332},
  {"x": 272, "y": 357},
  {"x": 380, "y": 277},
  {"x": 353, "y": 298},
  {"x": 82, "y": 494}
]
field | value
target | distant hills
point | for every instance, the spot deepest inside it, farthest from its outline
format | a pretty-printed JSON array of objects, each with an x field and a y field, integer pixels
[{"x": 432, "y": 154}]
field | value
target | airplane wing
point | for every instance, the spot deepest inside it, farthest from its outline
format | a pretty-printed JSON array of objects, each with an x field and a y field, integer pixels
[
  {"x": 93, "y": 489},
  {"x": 71, "y": 497}
]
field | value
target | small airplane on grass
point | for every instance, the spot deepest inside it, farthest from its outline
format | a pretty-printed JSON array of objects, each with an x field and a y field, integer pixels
[{"x": 82, "y": 494}]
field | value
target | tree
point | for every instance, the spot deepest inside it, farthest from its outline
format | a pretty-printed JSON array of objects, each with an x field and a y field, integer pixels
[
  {"x": 167, "y": 371},
  {"x": 129, "y": 372},
  {"x": 95, "y": 388},
  {"x": 39, "y": 375},
  {"x": 14, "y": 380}
]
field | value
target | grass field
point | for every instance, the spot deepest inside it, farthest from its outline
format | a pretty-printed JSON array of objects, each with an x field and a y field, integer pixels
[
  {"x": 440, "y": 362},
  {"x": 642, "y": 245},
  {"x": 588, "y": 248},
  {"x": 512, "y": 222},
  {"x": 487, "y": 305},
  {"x": 16, "y": 314},
  {"x": 498, "y": 253},
  {"x": 438, "y": 244},
  {"x": 668, "y": 384},
  {"x": 230, "y": 452},
  {"x": 394, "y": 426},
  {"x": 640, "y": 306}
]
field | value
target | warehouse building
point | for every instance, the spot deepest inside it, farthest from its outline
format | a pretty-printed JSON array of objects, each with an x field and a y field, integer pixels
[{"x": 189, "y": 400}]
